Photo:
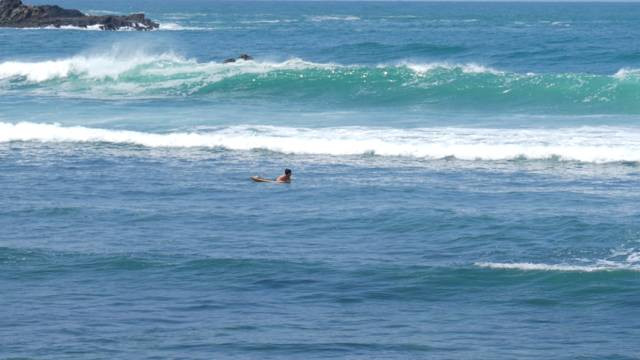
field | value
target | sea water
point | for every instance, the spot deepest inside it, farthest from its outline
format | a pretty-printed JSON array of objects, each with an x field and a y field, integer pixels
[{"x": 465, "y": 182}]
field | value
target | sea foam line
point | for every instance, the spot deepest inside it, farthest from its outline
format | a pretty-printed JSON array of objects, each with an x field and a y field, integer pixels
[
  {"x": 585, "y": 144},
  {"x": 320, "y": 18},
  {"x": 170, "y": 26},
  {"x": 559, "y": 267}
]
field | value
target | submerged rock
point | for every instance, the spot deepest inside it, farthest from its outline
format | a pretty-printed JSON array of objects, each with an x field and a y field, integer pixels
[
  {"x": 13, "y": 13},
  {"x": 244, "y": 57}
]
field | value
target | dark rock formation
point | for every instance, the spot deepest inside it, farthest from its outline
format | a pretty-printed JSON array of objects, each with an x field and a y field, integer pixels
[
  {"x": 14, "y": 14},
  {"x": 244, "y": 57}
]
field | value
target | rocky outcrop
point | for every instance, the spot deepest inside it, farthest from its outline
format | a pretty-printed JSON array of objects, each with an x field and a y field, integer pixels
[
  {"x": 15, "y": 14},
  {"x": 244, "y": 57}
]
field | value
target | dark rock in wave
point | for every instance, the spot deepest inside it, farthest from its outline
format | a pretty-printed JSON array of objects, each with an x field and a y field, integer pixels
[
  {"x": 15, "y": 14},
  {"x": 244, "y": 57}
]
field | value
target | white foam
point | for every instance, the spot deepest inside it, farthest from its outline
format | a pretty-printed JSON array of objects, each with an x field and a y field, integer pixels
[
  {"x": 180, "y": 15},
  {"x": 63, "y": 27},
  {"x": 117, "y": 62},
  {"x": 595, "y": 144},
  {"x": 96, "y": 27},
  {"x": 601, "y": 266},
  {"x": 275, "y": 21},
  {"x": 626, "y": 73},
  {"x": 334, "y": 18},
  {"x": 101, "y": 12},
  {"x": 628, "y": 255},
  {"x": 633, "y": 257},
  {"x": 626, "y": 259},
  {"x": 96, "y": 66},
  {"x": 37, "y": 71},
  {"x": 469, "y": 68},
  {"x": 178, "y": 27}
]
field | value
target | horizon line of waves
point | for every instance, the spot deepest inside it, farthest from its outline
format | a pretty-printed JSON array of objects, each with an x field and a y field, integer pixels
[{"x": 583, "y": 144}]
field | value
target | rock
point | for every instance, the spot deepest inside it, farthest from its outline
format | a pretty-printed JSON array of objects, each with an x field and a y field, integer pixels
[
  {"x": 15, "y": 14},
  {"x": 244, "y": 57}
]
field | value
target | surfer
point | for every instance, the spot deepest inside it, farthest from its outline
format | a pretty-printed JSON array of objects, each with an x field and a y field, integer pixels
[
  {"x": 286, "y": 177},
  {"x": 282, "y": 179}
]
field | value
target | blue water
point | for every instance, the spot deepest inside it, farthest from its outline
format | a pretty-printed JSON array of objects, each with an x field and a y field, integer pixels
[{"x": 465, "y": 183}]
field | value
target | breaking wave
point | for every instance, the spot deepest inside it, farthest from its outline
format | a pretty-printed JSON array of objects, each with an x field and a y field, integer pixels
[
  {"x": 471, "y": 85},
  {"x": 584, "y": 144}
]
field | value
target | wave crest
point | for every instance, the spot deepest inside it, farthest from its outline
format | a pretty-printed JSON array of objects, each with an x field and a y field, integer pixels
[
  {"x": 586, "y": 144},
  {"x": 140, "y": 64},
  {"x": 621, "y": 259},
  {"x": 91, "y": 67},
  {"x": 558, "y": 267},
  {"x": 468, "y": 85}
]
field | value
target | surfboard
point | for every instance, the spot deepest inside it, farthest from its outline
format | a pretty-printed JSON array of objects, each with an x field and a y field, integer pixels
[{"x": 260, "y": 179}]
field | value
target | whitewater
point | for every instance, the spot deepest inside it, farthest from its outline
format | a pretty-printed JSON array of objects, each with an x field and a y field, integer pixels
[
  {"x": 123, "y": 72},
  {"x": 596, "y": 145}
]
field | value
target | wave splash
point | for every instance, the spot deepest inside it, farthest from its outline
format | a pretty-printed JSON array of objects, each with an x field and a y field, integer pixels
[
  {"x": 93, "y": 67},
  {"x": 139, "y": 74},
  {"x": 585, "y": 144},
  {"x": 139, "y": 66}
]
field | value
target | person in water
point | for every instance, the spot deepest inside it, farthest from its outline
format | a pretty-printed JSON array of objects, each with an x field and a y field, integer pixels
[{"x": 286, "y": 178}]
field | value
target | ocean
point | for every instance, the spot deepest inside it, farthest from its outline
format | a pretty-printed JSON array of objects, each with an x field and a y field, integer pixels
[{"x": 465, "y": 182}]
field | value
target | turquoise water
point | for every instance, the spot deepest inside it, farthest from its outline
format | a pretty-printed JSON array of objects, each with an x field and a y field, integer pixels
[{"x": 465, "y": 183}]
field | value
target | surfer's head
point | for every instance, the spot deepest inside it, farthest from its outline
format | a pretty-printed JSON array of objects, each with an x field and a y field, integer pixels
[{"x": 287, "y": 172}]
